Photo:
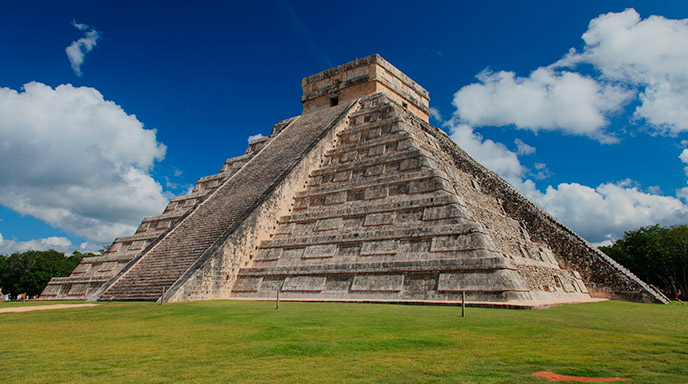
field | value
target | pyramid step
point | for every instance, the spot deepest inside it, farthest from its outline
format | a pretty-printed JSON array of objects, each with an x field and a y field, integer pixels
[
  {"x": 444, "y": 215},
  {"x": 360, "y": 125},
  {"x": 380, "y": 174},
  {"x": 149, "y": 235},
  {"x": 111, "y": 257},
  {"x": 364, "y": 145},
  {"x": 215, "y": 177},
  {"x": 485, "y": 262},
  {"x": 404, "y": 150},
  {"x": 358, "y": 179},
  {"x": 345, "y": 254},
  {"x": 382, "y": 180},
  {"x": 367, "y": 162},
  {"x": 361, "y": 207},
  {"x": 191, "y": 196},
  {"x": 379, "y": 109},
  {"x": 168, "y": 215},
  {"x": 413, "y": 232}
]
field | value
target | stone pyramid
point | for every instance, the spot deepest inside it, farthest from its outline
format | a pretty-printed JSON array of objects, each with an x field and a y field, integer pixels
[{"x": 357, "y": 199}]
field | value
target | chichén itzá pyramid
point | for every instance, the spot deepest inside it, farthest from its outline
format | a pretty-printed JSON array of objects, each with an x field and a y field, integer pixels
[{"x": 357, "y": 199}]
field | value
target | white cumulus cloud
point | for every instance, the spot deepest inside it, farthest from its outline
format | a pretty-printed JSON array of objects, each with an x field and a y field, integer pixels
[
  {"x": 606, "y": 211},
  {"x": 651, "y": 54},
  {"x": 77, "y": 50},
  {"x": 60, "y": 244},
  {"x": 493, "y": 155},
  {"x": 435, "y": 114},
  {"x": 255, "y": 137},
  {"x": 684, "y": 158},
  {"x": 77, "y": 161},
  {"x": 634, "y": 59},
  {"x": 523, "y": 148},
  {"x": 643, "y": 60},
  {"x": 546, "y": 100}
]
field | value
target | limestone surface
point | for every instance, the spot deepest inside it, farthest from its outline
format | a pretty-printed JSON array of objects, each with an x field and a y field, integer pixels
[{"x": 357, "y": 199}]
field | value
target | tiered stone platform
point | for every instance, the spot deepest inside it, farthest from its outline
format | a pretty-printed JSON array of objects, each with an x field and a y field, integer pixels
[
  {"x": 93, "y": 272},
  {"x": 357, "y": 199},
  {"x": 381, "y": 220},
  {"x": 205, "y": 227}
]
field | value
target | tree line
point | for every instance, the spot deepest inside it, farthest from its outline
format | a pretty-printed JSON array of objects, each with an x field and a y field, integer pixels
[
  {"x": 657, "y": 255},
  {"x": 29, "y": 272}
]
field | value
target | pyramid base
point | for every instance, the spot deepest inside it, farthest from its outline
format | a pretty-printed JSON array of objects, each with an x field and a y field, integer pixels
[{"x": 543, "y": 304}]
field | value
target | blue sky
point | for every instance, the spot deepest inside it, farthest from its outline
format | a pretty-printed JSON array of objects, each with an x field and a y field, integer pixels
[{"x": 582, "y": 106}]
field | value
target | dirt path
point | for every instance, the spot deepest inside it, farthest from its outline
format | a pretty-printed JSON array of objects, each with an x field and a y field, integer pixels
[
  {"x": 44, "y": 307},
  {"x": 556, "y": 377}
]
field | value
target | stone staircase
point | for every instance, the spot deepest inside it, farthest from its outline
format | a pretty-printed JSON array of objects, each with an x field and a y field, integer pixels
[
  {"x": 379, "y": 221},
  {"x": 93, "y": 272},
  {"x": 204, "y": 229}
]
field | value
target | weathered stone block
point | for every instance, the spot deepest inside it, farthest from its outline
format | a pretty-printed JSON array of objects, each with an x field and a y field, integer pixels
[
  {"x": 500, "y": 280},
  {"x": 293, "y": 253},
  {"x": 443, "y": 212},
  {"x": 269, "y": 254},
  {"x": 376, "y": 150},
  {"x": 304, "y": 284},
  {"x": 409, "y": 164},
  {"x": 335, "y": 198},
  {"x": 423, "y": 185},
  {"x": 328, "y": 224},
  {"x": 377, "y": 248},
  {"x": 374, "y": 170},
  {"x": 319, "y": 251},
  {"x": 376, "y": 192},
  {"x": 384, "y": 218},
  {"x": 301, "y": 203},
  {"x": 342, "y": 176},
  {"x": 378, "y": 283},
  {"x": 247, "y": 284},
  {"x": 460, "y": 242}
]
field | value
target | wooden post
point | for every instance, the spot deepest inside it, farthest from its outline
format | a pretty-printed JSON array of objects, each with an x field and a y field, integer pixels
[
  {"x": 277, "y": 302},
  {"x": 162, "y": 298},
  {"x": 85, "y": 295},
  {"x": 463, "y": 303}
]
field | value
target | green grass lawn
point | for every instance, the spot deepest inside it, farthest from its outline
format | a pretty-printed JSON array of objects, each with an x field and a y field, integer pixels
[
  {"x": 236, "y": 341},
  {"x": 31, "y": 303}
]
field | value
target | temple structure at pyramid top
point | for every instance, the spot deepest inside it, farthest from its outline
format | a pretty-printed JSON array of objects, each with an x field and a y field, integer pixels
[
  {"x": 357, "y": 199},
  {"x": 364, "y": 77}
]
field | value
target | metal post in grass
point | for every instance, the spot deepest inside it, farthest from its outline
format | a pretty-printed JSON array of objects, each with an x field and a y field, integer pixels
[
  {"x": 85, "y": 296},
  {"x": 463, "y": 303},
  {"x": 162, "y": 298},
  {"x": 277, "y": 301}
]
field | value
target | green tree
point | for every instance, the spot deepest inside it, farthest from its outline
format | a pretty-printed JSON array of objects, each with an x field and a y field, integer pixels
[
  {"x": 657, "y": 255},
  {"x": 3, "y": 263},
  {"x": 29, "y": 272}
]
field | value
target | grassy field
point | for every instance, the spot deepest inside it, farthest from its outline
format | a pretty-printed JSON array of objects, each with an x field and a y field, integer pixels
[
  {"x": 31, "y": 303},
  {"x": 231, "y": 341}
]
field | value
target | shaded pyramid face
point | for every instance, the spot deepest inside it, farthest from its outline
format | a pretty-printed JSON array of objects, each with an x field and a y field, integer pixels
[{"x": 385, "y": 217}]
